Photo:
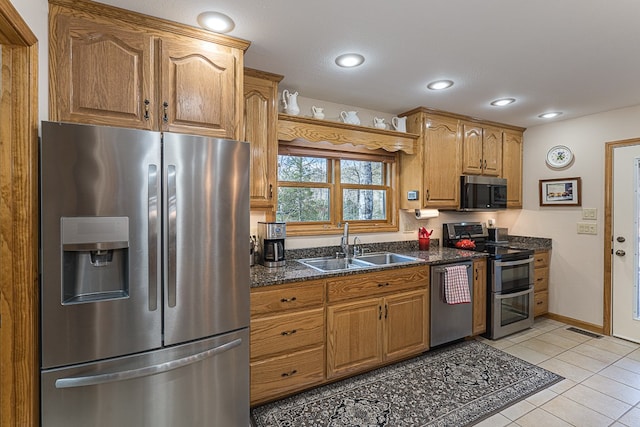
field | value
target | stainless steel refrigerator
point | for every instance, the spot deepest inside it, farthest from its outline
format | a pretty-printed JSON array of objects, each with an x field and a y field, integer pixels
[{"x": 144, "y": 278}]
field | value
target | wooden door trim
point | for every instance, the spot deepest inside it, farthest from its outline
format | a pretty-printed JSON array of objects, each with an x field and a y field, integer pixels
[
  {"x": 19, "y": 388},
  {"x": 608, "y": 226}
]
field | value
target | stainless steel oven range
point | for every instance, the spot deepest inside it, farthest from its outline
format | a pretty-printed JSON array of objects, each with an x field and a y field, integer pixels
[{"x": 509, "y": 279}]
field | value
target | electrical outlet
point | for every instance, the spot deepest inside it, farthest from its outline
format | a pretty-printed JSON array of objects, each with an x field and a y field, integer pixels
[
  {"x": 587, "y": 228},
  {"x": 589, "y": 213}
]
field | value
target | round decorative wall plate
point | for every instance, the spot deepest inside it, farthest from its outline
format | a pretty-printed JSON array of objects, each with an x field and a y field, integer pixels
[{"x": 559, "y": 156}]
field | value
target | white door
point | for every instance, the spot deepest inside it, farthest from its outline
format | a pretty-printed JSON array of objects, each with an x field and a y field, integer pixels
[{"x": 626, "y": 189}]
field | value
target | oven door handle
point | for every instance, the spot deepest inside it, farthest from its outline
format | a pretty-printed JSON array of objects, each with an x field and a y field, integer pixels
[
  {"x": 513, "y": 263},
  {"x": 513, "y": 295}
]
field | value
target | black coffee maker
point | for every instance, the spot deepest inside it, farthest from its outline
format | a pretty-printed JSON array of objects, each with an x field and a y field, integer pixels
[{"x": 271, "y": 237}]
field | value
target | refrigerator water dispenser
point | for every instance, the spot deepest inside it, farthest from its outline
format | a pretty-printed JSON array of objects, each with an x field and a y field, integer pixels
[{"x": 95, "y": 259}]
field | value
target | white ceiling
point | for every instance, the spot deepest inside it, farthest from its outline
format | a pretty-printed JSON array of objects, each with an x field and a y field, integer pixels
[{"x": 576, "y": 56}]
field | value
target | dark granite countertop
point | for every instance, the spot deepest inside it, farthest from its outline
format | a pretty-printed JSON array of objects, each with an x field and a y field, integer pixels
[
  {"x": 294, "y": 271},
  {"x": 524, "y": 242}
]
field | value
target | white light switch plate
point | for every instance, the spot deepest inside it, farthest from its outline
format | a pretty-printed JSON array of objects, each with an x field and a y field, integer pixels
[
  {"x": 589, "y": 213},
  {"x": 587, "y": 228}
]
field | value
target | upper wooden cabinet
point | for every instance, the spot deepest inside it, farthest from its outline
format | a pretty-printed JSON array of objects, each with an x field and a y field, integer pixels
[
  {"x": 260, "y": 130},
  {"x": 451, "y": 145},
  {"x": 109, "y": 66},
  {"x": 435, "y": 168},
  {"x": 512, "y": 167},
  {"x": 481, "y": 150}
]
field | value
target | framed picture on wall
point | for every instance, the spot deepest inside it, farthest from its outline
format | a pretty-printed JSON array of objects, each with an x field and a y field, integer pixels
[{"x": 560, "y": 192}]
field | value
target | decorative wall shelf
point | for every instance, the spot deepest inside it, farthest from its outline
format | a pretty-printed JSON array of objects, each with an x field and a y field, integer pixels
[{"x": 291, "y": 128}]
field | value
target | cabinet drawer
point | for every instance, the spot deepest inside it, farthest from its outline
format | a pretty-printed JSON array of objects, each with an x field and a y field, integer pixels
[
  {"x": 541, "y": 279},
  {"x": 378, "y": 283},
  {"x": 275, "y": 377},
  {"x": 277, "y": 298},
  {"x": 275, "y": 335},
  {"x": 541, "y": 259},
  {"x": 541, "y": 303}
]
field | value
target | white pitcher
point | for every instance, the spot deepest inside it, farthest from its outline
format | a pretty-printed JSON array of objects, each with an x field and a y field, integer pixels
[
  {"x": 350, "y": 117},
  {"x": 318, "y": 112},
  {"x": 399, "y": 124},
  {"x": 379, "y": 123},
  {"x": 290, "y": 102}
]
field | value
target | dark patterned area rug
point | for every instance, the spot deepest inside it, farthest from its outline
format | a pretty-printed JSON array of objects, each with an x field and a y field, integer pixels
[{"x": 458, "y": 385}]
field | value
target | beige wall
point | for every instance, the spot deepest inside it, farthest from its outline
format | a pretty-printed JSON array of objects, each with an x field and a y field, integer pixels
[{"x": 577, "y": 264}]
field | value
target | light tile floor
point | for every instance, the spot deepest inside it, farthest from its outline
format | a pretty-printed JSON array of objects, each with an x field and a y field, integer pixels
[{"x": 601, "y": 385}]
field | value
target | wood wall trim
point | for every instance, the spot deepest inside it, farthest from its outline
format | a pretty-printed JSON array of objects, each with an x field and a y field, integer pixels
[
  {"x": 291, "y": 128},
  {"x": 162, "y": 25},
  {"x": 13, "y": 30},
  {"x": 19, "y": 367},
  {"x": 608, "y": 227},
  {"x": 577, "y": 323},
  {"x": 456, "y": 116}
]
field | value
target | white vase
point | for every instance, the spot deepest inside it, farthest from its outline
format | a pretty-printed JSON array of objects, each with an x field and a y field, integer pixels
[{"x": 290, "y": 102}]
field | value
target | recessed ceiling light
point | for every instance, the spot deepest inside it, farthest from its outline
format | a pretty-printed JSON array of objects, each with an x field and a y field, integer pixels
[
  {"x": 349, "y": 60},
  {"x": 502, "y": 102},
  {"x": 440, "y": 84},
  {"x": 550, "y": 115},
  {"x": 216, "y": 21}
]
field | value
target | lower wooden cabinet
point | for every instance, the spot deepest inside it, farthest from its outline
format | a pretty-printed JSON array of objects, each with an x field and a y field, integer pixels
[
  {"x": 366, "y": 333},
  {"x": 479, "y": 296},
  {"x": 304, "y": 334},
  {"x": 287, "y": 339},
  {"x": 541, "y": 282}
]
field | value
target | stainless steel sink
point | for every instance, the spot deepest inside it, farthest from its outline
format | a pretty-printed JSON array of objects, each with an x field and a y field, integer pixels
[
  {"x": 334, "y": 264},
  {"x": 384, "y": 258},
  {"x": 370, "y": 260}
]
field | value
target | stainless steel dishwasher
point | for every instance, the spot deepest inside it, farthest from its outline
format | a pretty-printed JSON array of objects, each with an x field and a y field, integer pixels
[{"x": 449, "y": 322}]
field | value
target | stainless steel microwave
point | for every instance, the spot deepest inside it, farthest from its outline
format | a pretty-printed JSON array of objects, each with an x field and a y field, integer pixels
[{"x": 481, "y": 193}]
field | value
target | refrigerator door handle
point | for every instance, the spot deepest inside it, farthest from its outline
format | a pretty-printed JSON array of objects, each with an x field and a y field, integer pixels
[
  {"x": 147, "y": 370},
  {"x": 153, "y": 237},
  {"x": 172, "y": 212}
]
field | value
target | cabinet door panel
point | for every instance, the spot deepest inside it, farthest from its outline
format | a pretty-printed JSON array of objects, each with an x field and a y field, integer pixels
[
  {"x": 353, "y": 337},
  {"x": 198, "y": 88},
  {"x": 479, "y": 296},
  {"x": 512, "y": 167},
  {"x": 472, "y": 162},
  {"x": 101, "y": 73},
  {"x": 406, "y": 324},
  {"x": 442, "y": 164},
  {"x": 260, "y": 117},
  {"x": 492, "y": 151}
]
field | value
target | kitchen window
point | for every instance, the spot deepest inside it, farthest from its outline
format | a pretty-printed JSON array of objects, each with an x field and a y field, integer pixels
[{"x": 320, "y": 189}]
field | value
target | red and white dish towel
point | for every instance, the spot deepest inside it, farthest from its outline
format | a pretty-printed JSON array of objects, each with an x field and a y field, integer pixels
[{"x": 456, "y": 285}]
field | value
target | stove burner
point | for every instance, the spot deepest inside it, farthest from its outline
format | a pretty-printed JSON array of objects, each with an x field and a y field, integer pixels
[{"x": 476, "y": 231}]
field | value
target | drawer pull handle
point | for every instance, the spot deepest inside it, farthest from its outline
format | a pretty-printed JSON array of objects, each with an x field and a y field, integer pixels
[
  {"x": 540, "y": 302},
  {"x": 382, "y": 285},
  {"x": 287, "y": 333},
  {"x": 288, "y": 374},
  {"x": 288, "y": 299}
]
